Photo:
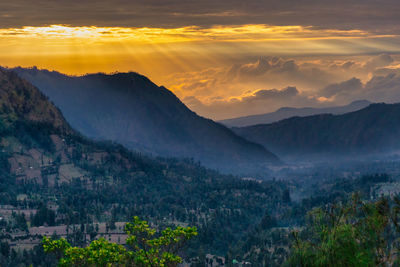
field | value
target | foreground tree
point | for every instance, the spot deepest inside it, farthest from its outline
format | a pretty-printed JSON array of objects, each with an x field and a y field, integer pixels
[
  {"x": 352, "y": 234},
  {"x": 145, "y": 247}
]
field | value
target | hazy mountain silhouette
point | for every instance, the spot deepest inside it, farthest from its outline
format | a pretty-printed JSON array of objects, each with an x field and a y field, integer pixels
[
  {"x": 374, "y": 129},
  {"x": 131, "y": 110},
  {"x": 287, "y": 112}
]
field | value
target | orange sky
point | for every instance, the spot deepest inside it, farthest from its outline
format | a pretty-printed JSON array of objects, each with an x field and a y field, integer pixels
[
  {"x": 157, "y": 51},
  {"x": 165, "y": 54}
]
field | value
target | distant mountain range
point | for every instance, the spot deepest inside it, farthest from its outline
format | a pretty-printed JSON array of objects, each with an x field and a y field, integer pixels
[
  {"x": 374, "y": 129},
  {"x": 286, "y": 112},
  {"x": 129, "y": 109}
]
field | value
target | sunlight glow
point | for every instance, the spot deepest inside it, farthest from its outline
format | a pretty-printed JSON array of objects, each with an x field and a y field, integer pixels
[
  {"x": 170, "y": 35},
  {"x": 157, "y": 52}
]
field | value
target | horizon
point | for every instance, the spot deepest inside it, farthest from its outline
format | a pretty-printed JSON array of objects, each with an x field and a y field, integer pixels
[
  {"x": 328, "y": 105},
  {"x": 223, "y": 60},
  {"x": 199, "y": 133}
]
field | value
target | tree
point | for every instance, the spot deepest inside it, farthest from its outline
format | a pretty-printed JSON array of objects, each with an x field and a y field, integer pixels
[
  {"x": 268, "y": 221},
  {"x": 354, "y": 234},
  {"x": 145, "y": 247},
  {"x": 286, "y": 196},
  {"x": 44, "y": 215}
]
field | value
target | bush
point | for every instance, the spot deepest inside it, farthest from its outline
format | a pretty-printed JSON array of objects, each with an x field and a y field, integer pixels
[{"x": 145, "y": 247}]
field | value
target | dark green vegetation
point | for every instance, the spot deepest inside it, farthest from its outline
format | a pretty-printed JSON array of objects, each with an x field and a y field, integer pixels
[
  {"x": 374, "y": 129},
  {"x": 286, "y": 112},
  {"x": 271, "y": 241},
  {"x": 62, "y": 178},
  {"x": 351, "y": 234},
  {"x": 131, "y": 110},
  {"x": 60, "y": 184},
  {"x": 146, "y": 247}
]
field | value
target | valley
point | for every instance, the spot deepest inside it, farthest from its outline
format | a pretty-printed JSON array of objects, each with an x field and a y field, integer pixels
[
  {"x": 199, "y": 133},
  {"x": 57, "y": 182}
]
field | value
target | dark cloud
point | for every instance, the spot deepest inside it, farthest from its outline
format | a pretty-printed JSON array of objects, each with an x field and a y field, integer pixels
[
  {"x": 378, "y": 62},
  {"x": 258, "y": 68},
  {"x": 377, "y": 89},
  {"x": 346, "y": 87},
  {"x": 382, "y": 16},
  {"x": 264, "y": 65},
  {"x": 383, "y": 88},
  {"x": 279, "y": 72},
  {"x": 272, "y": 94}
]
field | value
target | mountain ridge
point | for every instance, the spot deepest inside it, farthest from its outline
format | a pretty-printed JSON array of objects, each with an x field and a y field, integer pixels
[
  {"x": 129, "y": 109},
  {"x": 67, "y": 179},
  {"x": 287, "y": 112},
  {"x": 12, "y": 95},
  {"x": 374, "y": 129}
]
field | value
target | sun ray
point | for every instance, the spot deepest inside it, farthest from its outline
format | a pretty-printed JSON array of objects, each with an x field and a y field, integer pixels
[{"x": 158, "y": 52}]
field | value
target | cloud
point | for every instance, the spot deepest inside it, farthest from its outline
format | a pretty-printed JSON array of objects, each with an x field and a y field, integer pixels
[
  {"x": 252, "y": 103},
  {"x": 377, "y": 89},
  {"x": 252, "y": 69},
  {"x": 264, "y": 65},
  {"x": 234, "y": 83},
  {"x": 378, "y": 62},
  {"x": 340, "y": 14},
  {"x": 280, "y": 72},
  {"x": 272, "y": 94},
  {"x": 232, "y": 91},
  {"x": 343, "y": 88},
  {"x": 385, "y": 88},
  {"x": 275, "y": 72}
]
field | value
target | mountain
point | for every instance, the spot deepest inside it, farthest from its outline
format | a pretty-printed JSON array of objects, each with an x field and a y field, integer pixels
[
  {"x": 63, "y": 179},
  {"x": 19, "y": 100},
  {"x": 374, "y": 129},
  {"x": 286, "y": 112},
  {"x": 129, "y": 109}
]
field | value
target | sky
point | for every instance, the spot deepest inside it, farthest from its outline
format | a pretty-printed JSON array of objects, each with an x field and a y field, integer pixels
[{"x": 224, "y": 58}]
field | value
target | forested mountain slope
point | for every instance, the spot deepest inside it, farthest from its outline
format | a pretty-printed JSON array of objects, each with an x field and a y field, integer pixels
[
  {"x": 131, "y": 110},
  {"x": 374, "y": 129},
  {"x": 64, "y": 179}
]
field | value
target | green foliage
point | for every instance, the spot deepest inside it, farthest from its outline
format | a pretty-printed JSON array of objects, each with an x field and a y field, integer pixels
[
  {"x": 145, "y": 247},
  {"x": 353, "y": 234}
]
